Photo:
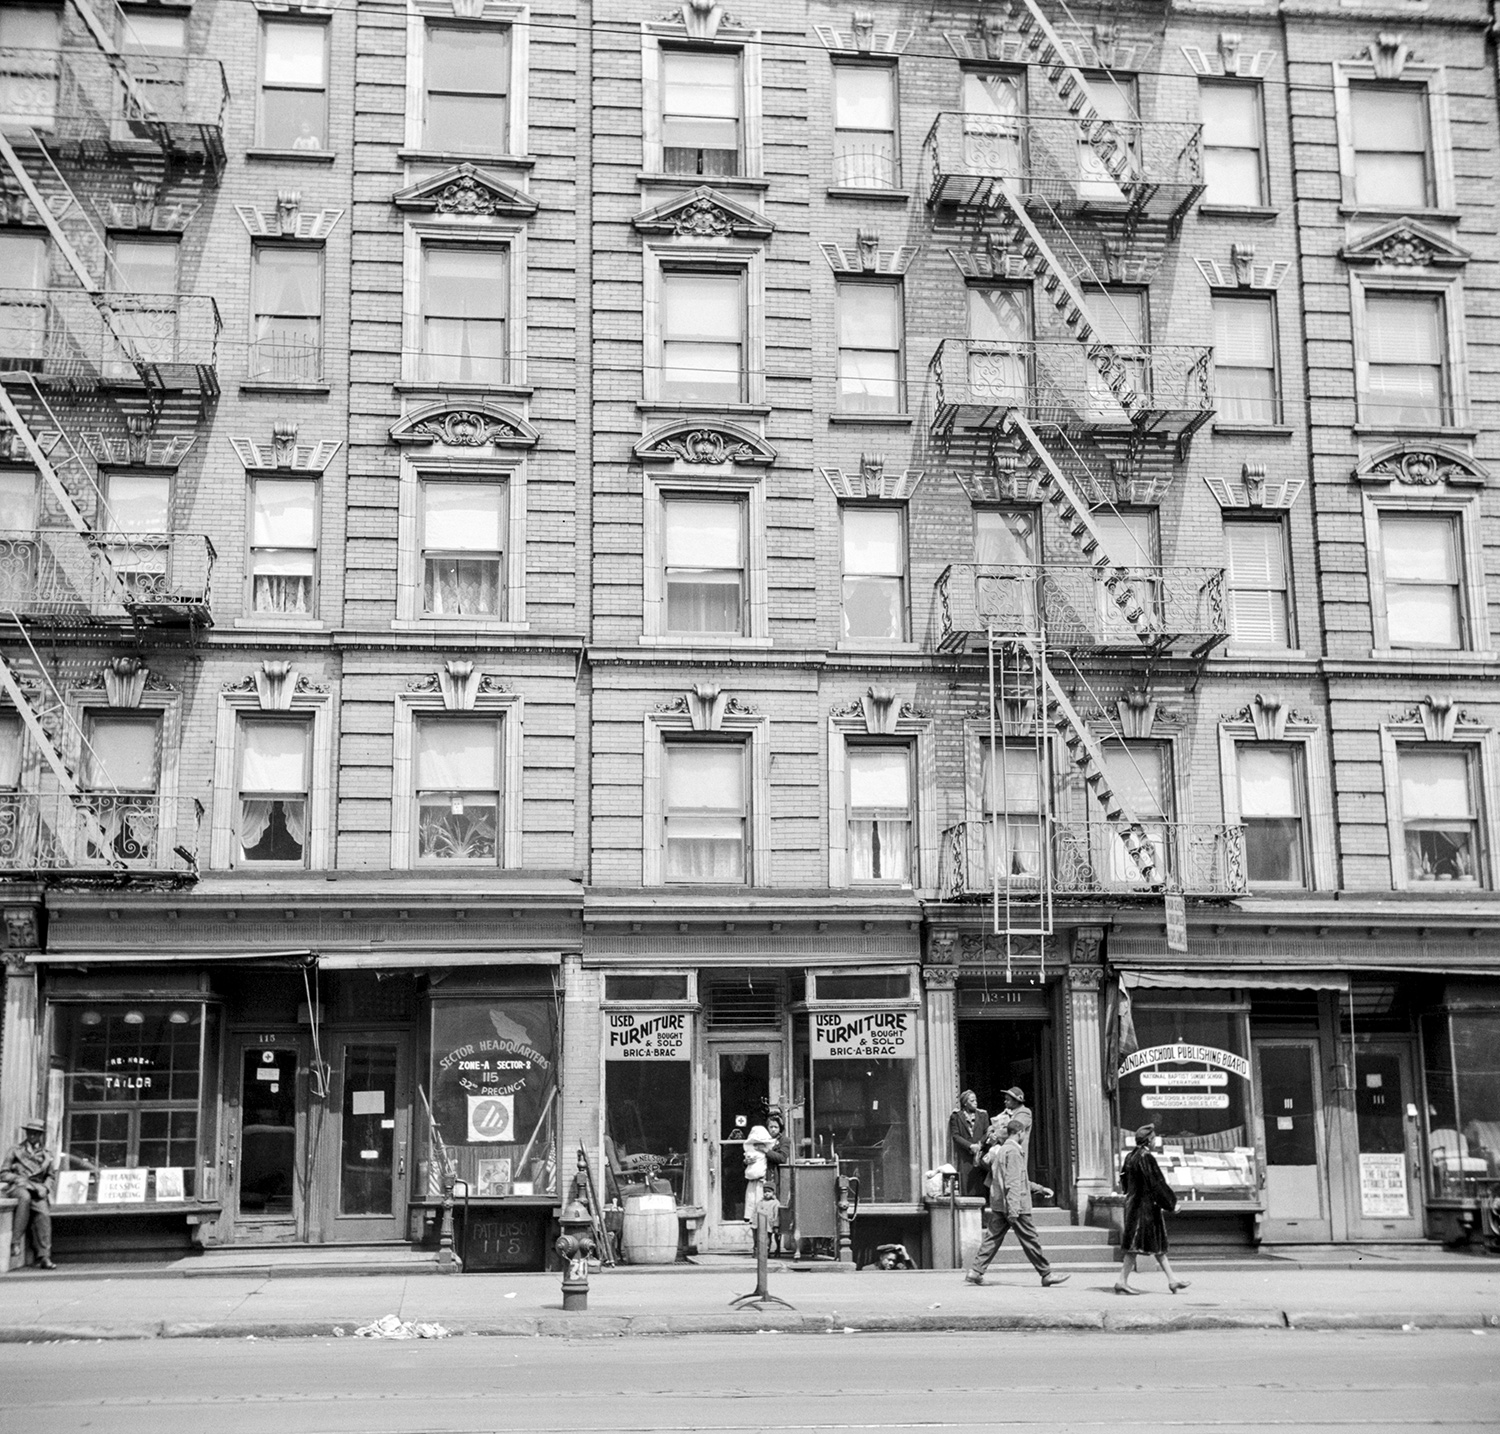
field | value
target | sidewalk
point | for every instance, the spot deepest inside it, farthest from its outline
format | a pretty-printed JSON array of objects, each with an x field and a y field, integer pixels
[{"x": 1463, "y": 1293}]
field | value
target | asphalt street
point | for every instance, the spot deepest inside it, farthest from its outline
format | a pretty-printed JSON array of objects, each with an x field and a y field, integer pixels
[{"x": 1203, "y": 1380}]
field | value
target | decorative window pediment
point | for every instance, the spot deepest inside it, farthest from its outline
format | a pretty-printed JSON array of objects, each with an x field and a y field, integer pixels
[
  {"x": 138, "y": 450},
  {"x": 873, "y": 482},
  {"x": 711, "y": 445},
  {"x": 861, "y": 37},
  {"x": 465, "y": 191},
  {"x": 704, "y": 213},
  {"x": 286, "y": 219},
  {"x": 146, "y": 213},
  {"x": 471, "y": 425},
  {"x": 285, "y": 453},
  {"x": 701, "y": 20},
  {"x": 1405, "y": 244},
  {"x": 1436, "y": 718},
  {"x": 1267, "y": 719},
  {"x": 865, "y": 256},
  {"x": 1230, "y": 59},
  {"x": 1242, "y": 272},
  {"x": 13, "y": 448},
  {"x": 1428, "y": 465},
  {"x": 1254, "y": 489}
]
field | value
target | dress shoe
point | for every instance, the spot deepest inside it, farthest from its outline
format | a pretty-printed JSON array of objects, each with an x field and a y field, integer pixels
[
  {"x": 970, "y": 1278},
  {"x": 1054, "y": 1279},
  {"x": 46, "y": 1264}
]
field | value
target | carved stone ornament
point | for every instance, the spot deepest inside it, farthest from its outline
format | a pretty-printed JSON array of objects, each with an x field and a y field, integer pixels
[
  {"x": 1242, "y": 272},
  {"x": 862, "y": 36},
  {"x": 125, "y": 681},
  {"x": 476, "y": 424},
  {"x": 1254, "y": 489},
  {"x": 1137, "y": 714},
  {"x": 286, "y": 219},
  {"x": 703, "y": 213},
  {"x": 1268, "y": 718},
  {"x": 1230, "y": 58},
  {"x": 1388, "y": 52},
  {"x": 702, "y": 19},
  {"x": 939, "y": 978},
  {"x": 23, "y": 932},
  {"x": 284, "y": 453},
  {"x": 1437, "y": 716},
  {"x": 146, "y": 210},
  {"x": 1086, "y": 943},
  {"x": 465, "y": 191},
  {"x": 704, "y": 445},
  {"x": 1404, "y": 244},
  {"x": 866, "y": 256},
  {"x": 13, "y": 446},
  {"x": 873, "y": 481},
  {"x": 275, "y": 685},
  {"x": 138, "y": 448},
  {"x": 1428, "y": 466}
]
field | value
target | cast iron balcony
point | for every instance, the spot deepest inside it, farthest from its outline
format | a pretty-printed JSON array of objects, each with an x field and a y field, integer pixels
[
  {"x": 106, "y": 833},
  {"x": 1010, "y": 856}
]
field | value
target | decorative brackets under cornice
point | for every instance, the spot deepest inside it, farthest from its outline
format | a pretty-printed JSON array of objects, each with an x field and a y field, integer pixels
[
  {"x": 860, "y": 37},
  {"x": 138, "y": 449},
  {"x": 866, "y": 256}
]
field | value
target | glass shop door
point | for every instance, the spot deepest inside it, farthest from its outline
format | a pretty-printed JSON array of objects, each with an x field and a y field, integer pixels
[
  {"x": 744, "y": 1077},
  {"x": 265, "y": 1137},
  {"x": 364, "y": 1165},
  {"x": 1385, "y": 1184},
  {"x": 1296, "y": 1162}
]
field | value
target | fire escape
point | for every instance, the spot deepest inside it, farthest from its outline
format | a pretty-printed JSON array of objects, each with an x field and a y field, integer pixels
[
  {"x": 1069, "y": 197},
  {"x": 95, "y": 373}
]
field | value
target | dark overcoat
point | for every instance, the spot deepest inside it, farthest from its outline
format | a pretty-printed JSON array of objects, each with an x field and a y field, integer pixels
[{"x": 1148, "y": 1201}]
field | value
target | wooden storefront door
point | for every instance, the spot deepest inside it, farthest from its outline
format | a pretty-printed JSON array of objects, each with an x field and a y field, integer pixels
[
  {"x": 266, "y": 1137},
  {"x": 1384, "y": 1185},
  {"x": 743, "y": 1077},
  {"x": 1294, "y": 1147},
  {"x": 363, "y": 1163}
]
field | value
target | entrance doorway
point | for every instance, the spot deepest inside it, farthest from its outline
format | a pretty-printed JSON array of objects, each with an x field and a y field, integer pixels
[
  {"x": 265, "y": 1137},
  {"x": 1296, "y": 1160},
  {"x": 1385, "y": 1198},
  {"x": 744, "y": 1078},
  {"x": 994, "y": 1055},
  {"x": 363, "y": 1169}
]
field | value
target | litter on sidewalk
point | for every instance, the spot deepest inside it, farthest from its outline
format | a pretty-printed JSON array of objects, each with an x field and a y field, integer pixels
[{"x": 390, "y": 1327}]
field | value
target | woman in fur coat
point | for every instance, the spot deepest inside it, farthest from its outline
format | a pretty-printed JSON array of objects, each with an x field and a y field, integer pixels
[{"x": 1148, "y": 1201}]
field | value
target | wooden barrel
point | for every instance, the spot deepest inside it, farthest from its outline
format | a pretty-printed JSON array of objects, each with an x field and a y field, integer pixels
[{"x": 649, "y": 1236}]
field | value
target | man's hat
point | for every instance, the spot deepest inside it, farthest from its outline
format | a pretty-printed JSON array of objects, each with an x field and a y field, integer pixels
[
  {"x": 1016, "y": 1094},
  {"x": 34, "y": 1127}
]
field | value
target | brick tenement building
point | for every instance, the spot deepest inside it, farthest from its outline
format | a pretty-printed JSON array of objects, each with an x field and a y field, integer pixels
[{"x": 572, "y": 576}]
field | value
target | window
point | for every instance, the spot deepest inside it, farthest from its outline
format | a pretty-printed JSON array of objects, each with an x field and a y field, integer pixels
[
  {"x": 1245, "y": 386},
  {"x": 1392, "y": 167},
  {"x": 466, "y": 82},
  {"x": 1406, "y": 363},
  {"x": 463, "y": 526},
  {"x": 10, "y": 770},
  {"x": 17, "y": 500},
  {"x": 23, "y": 304},
  {"x": 1011, "y": 779},
  {"x": 273, "y": 791},
  {"x": 705, "y": 811},
  {"x": 703, "y": 336},
  {"x": 870, "y": 325},
  {"x": 700, "y": 112},
  {"x": 1259, "y": 613},
  {"x": 287, "y": 314},
  {"x": 1121, "y": 320},
  {"x": 705, "y": 564},
  {"x": 294, "y": 85},
  {"x": 994, "y": 108},
  {"x": 874, "y": 573},
  {"x": 1271, "y": 806},
  {"x": 283, "y": 546},
  {"x": 1139, "y": 774},
  {"x": 120, "y": 771},
  {"x": 1000, "y": 347},
  {"x": 29, "y": 40},
  {"x": 18, "y": 539},
  {"x": 137, "y": 520},
  {"x": 458, "y": 789},
  {"x": 1233, "y": 168},
  {"x": 1130, "y": 540},
  {"x": 1440, "y": 815},
  {"x": 1422, "y": 566},
  {"x": 465, "y": 303},
  {"x": 1114, "y": 97},
  {"x": 880, "y": 818},
  {"x": 1007, "y": 577},
  {"x": 864, "y": 126},
  {"x": 142, "y": 266},
  {"x": 144, "y": 32}
]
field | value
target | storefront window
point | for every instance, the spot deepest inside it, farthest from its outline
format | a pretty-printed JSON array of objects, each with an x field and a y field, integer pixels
[
  {"x": 1463, "y": 1100},
  {"x": 494, "y": 1094},
  {"x": 648, "y": 1101},
  {"x": 131, "y": 1080},
  {"x": 1190, "y": 1077}
]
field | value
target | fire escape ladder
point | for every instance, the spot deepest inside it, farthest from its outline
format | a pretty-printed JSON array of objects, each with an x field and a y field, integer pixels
[{"x": 1073, "y": 511}]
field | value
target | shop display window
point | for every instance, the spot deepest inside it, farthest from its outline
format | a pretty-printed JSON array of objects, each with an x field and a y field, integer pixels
[
  {"x": 130, "y": 1076},
  {"x": 1462, "y": 1052},
  {"x": 494, "y": 1085},
  {"x": 1190, "y": 1077}
]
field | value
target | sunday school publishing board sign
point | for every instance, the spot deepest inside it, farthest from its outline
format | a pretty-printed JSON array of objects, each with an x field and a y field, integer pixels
[{"x": 1220, "y": 1065}]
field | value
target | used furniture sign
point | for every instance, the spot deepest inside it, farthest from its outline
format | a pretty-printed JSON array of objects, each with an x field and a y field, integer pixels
[
  {"x": 861, "y": 1035},
  {"x": 648, "y": 1036}
]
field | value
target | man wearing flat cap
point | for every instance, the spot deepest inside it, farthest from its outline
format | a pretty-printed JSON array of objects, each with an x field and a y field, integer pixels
[
  {"x": 1018, "y": 1114},
  {"x": 27, "y": 1176}
]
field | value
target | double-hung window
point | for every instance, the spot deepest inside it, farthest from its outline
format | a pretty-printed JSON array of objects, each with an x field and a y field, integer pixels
[
  {"x": 272, "y": 791},
  {"x": 29, "y": 41},
  {"x": 121, "y": 768},
  {"x": 287, "y": 314},
  {"x": 23, "y": 299},
  {"x": 706, "y": 812},
  {"x": 1233, "y": 140},
  {"x": 284, "y": 546},
  {"x": 458, "y": 789},
  {"x": 864, "y": 126},
  {"x": 704, "y": 576},
  {"x": 294, "y": 85},
  {"x": 147, "y": 32},
  {"x": 465, "y": 305},
  {"x": 994, "y": 110},
  {"x": 1001, "y": 353},
  {"x": 1011, "y": 779},
  {"x": 703, "y": 335},
  {"x": 10, "y": 772},
  {"x": 1259, "y": 612},
  {"x": 1391, "y": 144},
  {"x": 1007, "y": 574},
  {"x": 1406, "y": 351},
  {"x": 466, "y": 82},
  {"x": 18, "y": 540},
  {"x": 1245, "y": 386},
  {"x": 880, "y": 814},
  {"x": 701, "y": 104},
  {"x": 874, "y": 573},
  {"x": 1139, "y": 774},
  {"x": 463, "y": 549},
  {"x": 1422, "y": 559},
  {"x": 1272, "y": 803},
  {"x": 870, "y": 343},
  {"x": 1440, "y": 814},
  {"x": 137, "y": 522}
]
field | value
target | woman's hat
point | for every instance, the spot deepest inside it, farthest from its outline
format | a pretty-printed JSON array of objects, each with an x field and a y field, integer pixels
[
  {"x": 1144, "y": 1134},
  {"x": 1016, "y": 1094}
]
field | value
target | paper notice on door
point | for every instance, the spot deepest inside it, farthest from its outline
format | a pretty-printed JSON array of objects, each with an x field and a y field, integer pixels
[
  {"x": 169, "y": 1185},
  {"x": 369, "y": 1155},
  {"x": 1374, "y": 1080},
  {"x": 1283, "y": 1122},
  {"x": 368, "y": 1102},
  {"x": 388, "y": 1124},
  {"x": 1382, "y": 1187},
  {"x": 267, "y": 1072}
]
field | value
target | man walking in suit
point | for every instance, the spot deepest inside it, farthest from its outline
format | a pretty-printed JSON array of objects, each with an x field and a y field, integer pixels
[
  {"x": 1010, "y": 1207},
  {"x": 966, "y": 1131}
]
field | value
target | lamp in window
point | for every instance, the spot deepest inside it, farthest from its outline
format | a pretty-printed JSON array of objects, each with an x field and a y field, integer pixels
[
  {"x": 135, "y": 1018},
  {"x": 179, "y": 1018},
  {"x": 91, "y": 1018}
]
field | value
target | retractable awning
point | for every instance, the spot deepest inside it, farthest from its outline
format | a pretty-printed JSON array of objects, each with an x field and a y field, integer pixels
[
  {"x": 1221, "y": 977},
  {"x": 332, "y": 961}
]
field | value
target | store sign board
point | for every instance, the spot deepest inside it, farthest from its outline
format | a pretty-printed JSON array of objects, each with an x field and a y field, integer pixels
[
  {"x": 1184, "y": 1053},
  {"x": 649, "y": 1036},
  {"x": 1176, "y": 922},
  {"x": 122, "y": 1187},
  {"x": 1185, "y": 1100},
  {"x": 1185, "y": 1078},
  {"x": 1382, "y": 1187},
  {"x": 861, "y": 1035}
]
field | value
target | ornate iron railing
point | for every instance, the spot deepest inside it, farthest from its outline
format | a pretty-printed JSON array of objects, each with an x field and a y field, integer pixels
[
  {"x": 1088, "y": 859},
  {"x": 58, "y": 575},
  {"x": 49, "y": 831}
]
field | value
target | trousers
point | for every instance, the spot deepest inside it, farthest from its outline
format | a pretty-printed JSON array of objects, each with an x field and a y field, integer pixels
[
  {"x": 34, "y": 1213},
  {"x": 997, "y": 1226}
]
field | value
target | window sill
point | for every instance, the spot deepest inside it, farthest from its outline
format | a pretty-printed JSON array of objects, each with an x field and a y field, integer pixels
[
  {"x": 1416, "y": 656},
  {"x": 881, "y": 420},
  {"x": 293, "y": 156},
  {"x": 440, "y": 390},
  {"x": 709, "y": 181},
  {"x": 694, "y": 410},
  {"x": 451, "y": 157},
  {"x": 707, "y": 642},
  {"x": 876, "y": 646},
  {"x": 1237, "y": 211},
  {"x": 1390, "y": 211},
  {"x": 1416, "y": 430},
  {"x": 270, "y": 622},
  {"x": 315, "y": 390},
  {"x": 1429, "y": 888},
  {"x": 879, "y": 196},
  {"x": 1256, "y": 430},
  {"x": 457, "y": 625}
]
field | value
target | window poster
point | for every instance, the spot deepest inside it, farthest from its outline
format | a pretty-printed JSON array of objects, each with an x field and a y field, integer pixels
[
  {"x": 648, "y": 1036},
  {"x": 494, "y": 1091},
  {"x": 1382, "y": 1187},
  {"x": 861, "y": 1035}
]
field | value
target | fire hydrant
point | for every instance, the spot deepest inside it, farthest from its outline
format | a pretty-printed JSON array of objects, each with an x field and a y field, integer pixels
[{"x": 576, "y": 1246}]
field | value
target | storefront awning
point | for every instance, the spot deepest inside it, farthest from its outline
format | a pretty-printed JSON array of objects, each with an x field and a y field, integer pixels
[
  {"x": 333, "y": 961},
  {"x": 1229, "y": 976}
]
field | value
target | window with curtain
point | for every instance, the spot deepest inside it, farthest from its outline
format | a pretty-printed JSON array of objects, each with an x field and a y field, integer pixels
[
  {"x": 1406, "y": 365},
  {"x": 880, "y": 813},
  {"x": 1392, "y": 160},
  {"x": 874, "y": 573},
  {"x": 121, "y": 769},
  {"x": 18, "y": 812},
  {"x": 1005, "y": 556},
  {"x": 293, "y": 85},
  {"x": 1440, "y": 814},
  {"x": 1245, "y": 387},
  {"x": 463, "y": 549},
  {"x": 704, "y": 573},
  {"x": 1272, "y": 807},
  {"x": 870, "y": 338},
  {"x": 994, "y": 110},
  {"x": 700, "y": 111},
  {"x": 11, "y": 734},
  {"x": 283, "y": 546},
  {"x": 287, "y": 317},
  {"x": 705, "y": 811},
  {"x": 466, "y": 82},
  {"x": 1000, "y": 348},
  {"x": 1011, "y": 776},
  {"x": 465, "y": 303},
  {"x": 864, "y": 126},
  {"x": 457, "y": 766},
  {"x": 29, "y": 39},
  {"x": 1140, "y": 776},
  {"x": 17, "y": 498},
  {"x": 1259, "y": 611},
  {"x": 23, "y": 299},
  {"x": 1422, "y": 561},
  {"x": 273, "y": 790},
  {"x": 703, "y": 336},
  {"x": 1233, "y": 131}
]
